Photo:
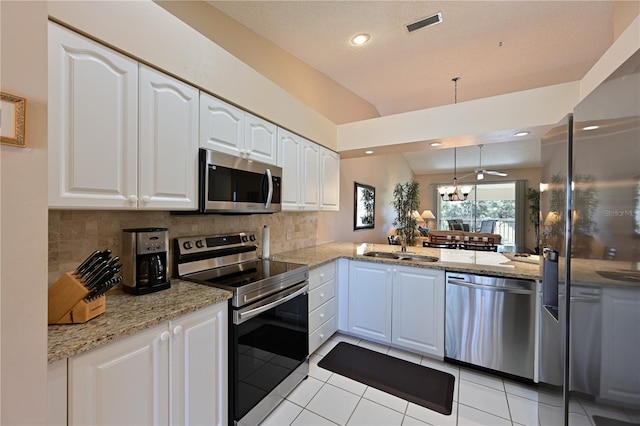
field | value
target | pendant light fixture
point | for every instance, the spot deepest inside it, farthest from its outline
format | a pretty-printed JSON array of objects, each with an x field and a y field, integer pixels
[{"x": 450, "y": 193}]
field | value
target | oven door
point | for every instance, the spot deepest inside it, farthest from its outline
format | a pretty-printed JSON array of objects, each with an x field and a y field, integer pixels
[
  {"x": 237, "y": 185},
  {"x": 269, "y": 347}
]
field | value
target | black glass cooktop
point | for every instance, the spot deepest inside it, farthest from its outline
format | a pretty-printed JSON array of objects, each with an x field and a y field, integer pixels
[{"x": 245, "y": 273}]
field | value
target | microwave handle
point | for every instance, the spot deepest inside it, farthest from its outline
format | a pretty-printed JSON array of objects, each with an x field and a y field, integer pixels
[{"x": 267, "y": 204}]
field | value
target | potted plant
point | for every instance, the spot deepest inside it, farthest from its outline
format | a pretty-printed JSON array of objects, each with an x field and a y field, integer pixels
[
  {"x": 533, "y": 196},
  {"x": 406, "y": 199}
]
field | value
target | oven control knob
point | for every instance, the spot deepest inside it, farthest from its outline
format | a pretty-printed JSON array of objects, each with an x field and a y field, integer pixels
[
  {"x": 252, "y": 237},
  {"x": 244, "y": 239},
  {"x": 187, "y": 245},
  {"x": 199, "y": 244}
]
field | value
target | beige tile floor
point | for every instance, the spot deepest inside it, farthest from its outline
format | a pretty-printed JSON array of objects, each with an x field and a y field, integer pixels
[{"x": 325, "y": 398}]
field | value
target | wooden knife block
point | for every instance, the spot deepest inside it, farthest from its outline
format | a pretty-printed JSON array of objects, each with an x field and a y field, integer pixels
[{"x": 67, "y": 304}]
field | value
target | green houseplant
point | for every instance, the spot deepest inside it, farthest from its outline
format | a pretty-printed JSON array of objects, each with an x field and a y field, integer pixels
[{"x": 406, "y": 199}]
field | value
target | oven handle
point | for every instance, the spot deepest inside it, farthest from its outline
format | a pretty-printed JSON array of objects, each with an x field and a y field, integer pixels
[
  {"x": 270, "y": 192},
  {"x": 240, "y": 317}
]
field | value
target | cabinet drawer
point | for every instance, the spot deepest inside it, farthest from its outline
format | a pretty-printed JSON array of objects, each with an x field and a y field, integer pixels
[
  {"x": 322, "y": 275},
  {"x": 319, "y": 295},
  {"x": 322, "y": 334},
  {"x": 322, "y": 314}
]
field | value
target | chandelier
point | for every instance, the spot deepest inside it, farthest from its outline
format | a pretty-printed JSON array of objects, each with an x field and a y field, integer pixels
[{"x": 450, "y": 193}]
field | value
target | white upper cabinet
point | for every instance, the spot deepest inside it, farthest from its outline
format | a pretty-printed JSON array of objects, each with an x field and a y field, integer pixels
[
  {"x": 221, "y": 126},
  {"x": 289, "y": 158},
  {"x": 120, "y": 136},
  {"x": 300, "y": 162},
  {"x": 93, "y": 124},
  {"x": 310, "y": 194},
  {"x": 261, "y": 139},
  {"x": 168, "y": 142},
  {"x": 225, "y": 128},
  {"x": 330, "y": 180}
]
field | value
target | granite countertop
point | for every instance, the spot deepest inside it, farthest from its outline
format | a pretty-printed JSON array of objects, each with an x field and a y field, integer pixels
[
  {"x": 127, "y": 314},
  {"x": 477, "y": 262}
]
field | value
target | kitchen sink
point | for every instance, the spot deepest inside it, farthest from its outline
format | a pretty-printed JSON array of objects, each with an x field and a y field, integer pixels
[
  {"x": 383, "y": 254},
  {"x": 629, "y": 276},
  {"x": 401, "y": 256},
  {"x": 419, "y": 258}
]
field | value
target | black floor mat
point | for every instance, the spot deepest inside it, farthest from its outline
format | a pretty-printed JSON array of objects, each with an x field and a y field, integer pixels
[
  {"x": 606, "y": 421},
  {"x": 421, "y": 385}
]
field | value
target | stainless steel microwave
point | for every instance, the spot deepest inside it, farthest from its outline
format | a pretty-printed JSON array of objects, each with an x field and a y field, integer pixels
[{"x": 233, "y": 185}]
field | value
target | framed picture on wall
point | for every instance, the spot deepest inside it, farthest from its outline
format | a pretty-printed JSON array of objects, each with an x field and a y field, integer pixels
[
  {"x": 364, "y": 206},
  {"x": 12, "y": 119}
]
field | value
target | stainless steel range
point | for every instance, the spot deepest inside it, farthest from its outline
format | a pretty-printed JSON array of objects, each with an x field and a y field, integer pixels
[{"x": 268, "y": 319}]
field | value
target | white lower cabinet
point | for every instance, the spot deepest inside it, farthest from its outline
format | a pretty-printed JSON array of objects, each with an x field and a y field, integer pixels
[
  {"x": 57, "y": 393},
  {"x": 370, "y": 292},
  {"x": 620, "y": 364},
  {"x": 400, "y": 305},
  {"x": 322, "y": 305},
  {"x": 418, "y": 310},
  {"x": 174, "y": 373}
]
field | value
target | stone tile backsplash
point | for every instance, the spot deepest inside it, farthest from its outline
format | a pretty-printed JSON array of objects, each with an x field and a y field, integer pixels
[{"x": 74, "y": 234}]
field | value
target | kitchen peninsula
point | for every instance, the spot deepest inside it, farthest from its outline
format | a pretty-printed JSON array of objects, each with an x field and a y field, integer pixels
[{"x": 476, "y": 262}]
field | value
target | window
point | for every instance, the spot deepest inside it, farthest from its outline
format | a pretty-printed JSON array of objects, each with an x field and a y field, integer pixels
[{"x": 490, "y": 207}]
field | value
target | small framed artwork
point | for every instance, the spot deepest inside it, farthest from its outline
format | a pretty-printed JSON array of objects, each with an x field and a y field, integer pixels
[
  {"x": 364, "y": 206},
  {"x": 12, "y": 119}
]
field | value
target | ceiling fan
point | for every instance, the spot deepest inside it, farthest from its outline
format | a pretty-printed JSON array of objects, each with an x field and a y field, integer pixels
[{"x": 480, "y": 172}]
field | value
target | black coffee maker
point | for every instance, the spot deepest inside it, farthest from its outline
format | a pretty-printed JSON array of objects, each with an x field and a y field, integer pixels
[{"x": 145, "y": 260}]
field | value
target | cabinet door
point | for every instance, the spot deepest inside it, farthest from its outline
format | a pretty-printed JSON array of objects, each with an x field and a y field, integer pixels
[
  {"x": 124, "y": 383},
  {"x": 168, "y": 142},
  {"x": 620, "y": 372},
  {"x": 330, "y": 180},
  {"x": 57, "y": 393},
  {"x": 260, "y": 139},
  {"x": 199, "y": 367},
  {"x": 221, "y": 126},
  {"x": 418, "y": 310},
  {"x": 370, "y": 293},
  {"x": 289, "y": 158},
  {"x": 310, "y": 191},
  {"x": 93, "y": 124}
]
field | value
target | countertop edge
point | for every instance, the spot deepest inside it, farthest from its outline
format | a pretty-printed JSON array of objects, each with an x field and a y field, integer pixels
[{"x": 68, "y": 340}]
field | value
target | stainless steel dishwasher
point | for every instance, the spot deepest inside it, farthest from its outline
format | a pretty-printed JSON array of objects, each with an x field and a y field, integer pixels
[{"x": 490, "y": 322}]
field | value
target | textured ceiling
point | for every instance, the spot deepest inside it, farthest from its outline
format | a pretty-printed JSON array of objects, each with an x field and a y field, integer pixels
[{"x": 496, "y": 47}]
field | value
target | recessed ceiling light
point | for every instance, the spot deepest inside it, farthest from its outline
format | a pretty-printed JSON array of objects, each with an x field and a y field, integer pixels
[
  {"x": 522, "y": 133},
  {"x": 435, "y": 143},
  {"x": 590, "y": 127},
  {"x": 368, "y": 152},
  {"x": 360, "y": 39}
]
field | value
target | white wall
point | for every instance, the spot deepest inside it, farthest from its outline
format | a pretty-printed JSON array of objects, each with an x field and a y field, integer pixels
[
  {"x": 529, "y": 108},
  {"x": 23, "y": 214},
  {"x": 382, "y": 172}
]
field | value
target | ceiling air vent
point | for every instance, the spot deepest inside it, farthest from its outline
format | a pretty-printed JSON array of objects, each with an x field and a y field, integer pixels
[{"x": 426, "y": 22}]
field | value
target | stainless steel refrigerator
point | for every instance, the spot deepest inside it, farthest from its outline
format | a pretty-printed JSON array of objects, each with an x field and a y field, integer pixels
[{"x": 589, "y": 317}]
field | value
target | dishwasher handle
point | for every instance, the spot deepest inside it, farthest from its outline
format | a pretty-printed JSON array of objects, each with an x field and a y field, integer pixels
[{"x": 513, "y": 290}]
